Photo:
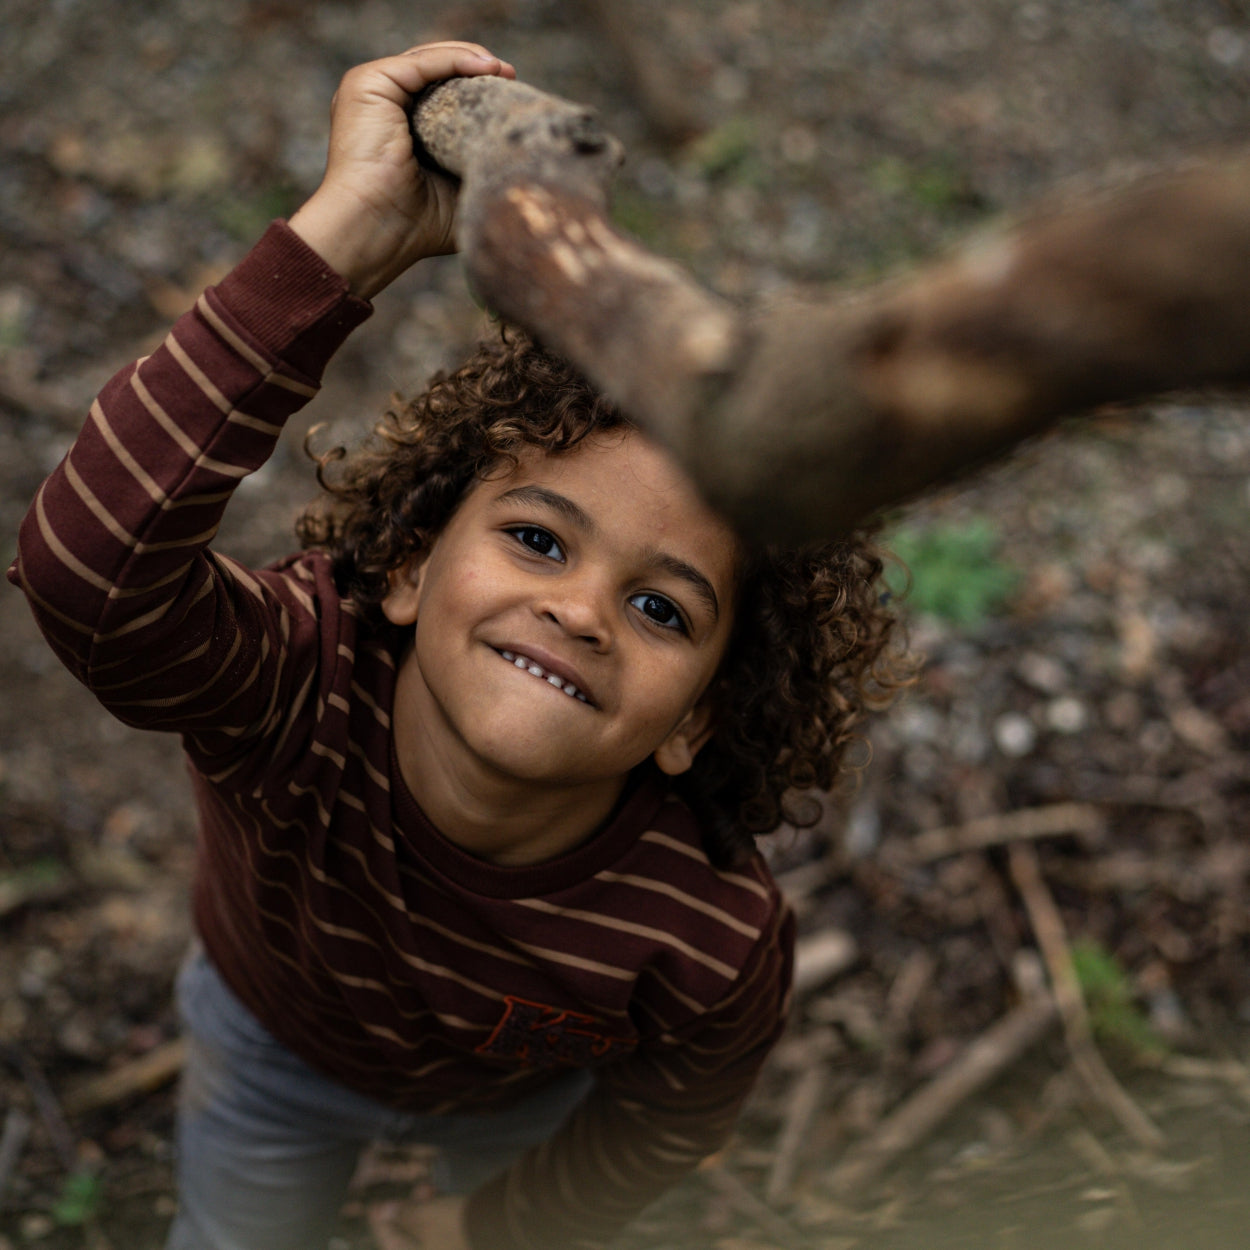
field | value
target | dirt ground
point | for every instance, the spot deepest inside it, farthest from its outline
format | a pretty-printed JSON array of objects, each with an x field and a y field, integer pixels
[{"x": 1082, "y": 607}]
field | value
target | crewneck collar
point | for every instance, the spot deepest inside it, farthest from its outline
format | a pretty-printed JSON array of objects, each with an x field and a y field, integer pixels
[{"x": 642, "y": 799}]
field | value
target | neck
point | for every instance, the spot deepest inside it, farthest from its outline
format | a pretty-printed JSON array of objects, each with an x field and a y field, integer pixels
[{"x": 502, "y": 819}]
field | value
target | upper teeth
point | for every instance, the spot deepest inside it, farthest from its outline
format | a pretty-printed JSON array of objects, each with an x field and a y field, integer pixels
[{"x": 530, "y": 666}]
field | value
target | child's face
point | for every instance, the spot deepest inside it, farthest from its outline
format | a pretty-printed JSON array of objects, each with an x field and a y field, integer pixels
[{"x": 601, "y": 569}]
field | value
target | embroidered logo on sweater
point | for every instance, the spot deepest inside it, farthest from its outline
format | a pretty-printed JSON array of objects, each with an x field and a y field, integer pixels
[{"x": 542, "y": 1037}]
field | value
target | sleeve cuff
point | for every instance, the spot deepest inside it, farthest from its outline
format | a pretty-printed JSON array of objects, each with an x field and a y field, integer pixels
[{"x": 289, "y": 302}]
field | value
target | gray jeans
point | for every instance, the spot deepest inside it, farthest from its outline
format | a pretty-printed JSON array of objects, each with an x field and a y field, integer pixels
[{"x": 267, "y": 1146}]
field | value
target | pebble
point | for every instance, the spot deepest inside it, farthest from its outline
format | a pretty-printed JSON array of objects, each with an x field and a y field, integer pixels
[
  {"x": 1067, "y": 715},
  {"x": 1044, "y": 673},
  {"x": 1014, "y": 734}
]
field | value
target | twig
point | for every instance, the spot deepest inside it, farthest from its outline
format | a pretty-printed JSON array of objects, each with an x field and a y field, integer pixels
[
  {"x": 1051, "y": 820},
  {"x": 805, "y": 1098},
  {"x": 821, "y": 956},
  {"x": 1228, "y": 1071},
  {"x": 1087, "y": 1059},
  {"x": 140, "y": 1076},
  {"x": 59, "y": 1132},
  {"x": 17, "y": 1126},
  {"x": 742, "y": 1200},
  {"x": 912, "y": 1120}
]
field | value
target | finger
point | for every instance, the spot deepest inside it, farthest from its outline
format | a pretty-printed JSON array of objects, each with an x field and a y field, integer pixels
[
  {"x": 398, "y": 77},
  {"x": 460, "y": 57}
]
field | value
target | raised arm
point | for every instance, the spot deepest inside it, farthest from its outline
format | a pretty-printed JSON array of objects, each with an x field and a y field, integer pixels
[{"x": 113, "y": 554}]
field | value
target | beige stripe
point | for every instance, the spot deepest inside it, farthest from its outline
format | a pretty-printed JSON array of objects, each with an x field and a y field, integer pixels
[
  {"x": 208, "y": 499},
  {"x": 691, "y": 1004},
  {"x": 303, "y": 598},
  {"x": 197, "y": 375},
  {"x": 148, "y": 674},
  {"x": 379, "y": 779},
  {"x": 139, "y": 622},
  {"x": 242, "y": 575},
  {"x": 687, "y": 900},
  {"x": 426, "y": 1013},
  {"x": 294, "y": 712},
  {"x": 306, "y": 912},
  {"x": 258, "y": 362},
  {"x": 363, "y": 696},
  {"x": 413, "y": 961},
  {"x": 176, "y": 544},
  {"x": 158, "y": 414},
  {"x": 157, "y": 613},
  {"x": 97, "y": 509},
  {"x": 134, "y": 592},
  {"x": 320, "y": 875},
  {"x": 328, "y": 753},
  {"x": 136, "y": 470},
  {"x": 63, "y": 553},
  {"x": 640, "y": 930},
  {"x": 254, "y": 423},
  {"x": 336, "y": 700},
  {"x": 47, "y": 609},
  {"x": 576, "y": 961},
  {"x": 191, "y": 696},
  {"x": 401, "y": 905},
  {"x": 240, "y": 346},
  {"x": 733, "y": 878}
]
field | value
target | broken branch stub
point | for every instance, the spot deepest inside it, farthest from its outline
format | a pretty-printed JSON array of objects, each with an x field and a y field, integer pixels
[
  {"x": 533, "y": 229},
  {"x": 799, "y": 420}
]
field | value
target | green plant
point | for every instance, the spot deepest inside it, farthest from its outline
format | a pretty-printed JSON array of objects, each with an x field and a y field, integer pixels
[
  {"x": 956, "y": 572},
  {"x": 246, "y": 216},
  {"x": 1113, "y": 1010},
  {"x": 729, "y": 149},
  {"x": 939, "y": 184},
  {"x": 79, "y": 1199},
  {"x": 635, "y": 214}
]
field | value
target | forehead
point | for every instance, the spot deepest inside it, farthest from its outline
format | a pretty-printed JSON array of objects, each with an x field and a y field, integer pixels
[{"x": 632, "y": 492}]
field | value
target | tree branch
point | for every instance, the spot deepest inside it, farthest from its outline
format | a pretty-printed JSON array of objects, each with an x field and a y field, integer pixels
[{"x": 802, "y": 418}]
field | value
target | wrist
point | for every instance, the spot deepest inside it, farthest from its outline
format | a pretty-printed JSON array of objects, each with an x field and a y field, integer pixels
[{"x": 366, "y": 258}]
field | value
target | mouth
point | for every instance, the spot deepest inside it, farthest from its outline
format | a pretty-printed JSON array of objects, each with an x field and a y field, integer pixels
[{"x": 555, "y": 680}]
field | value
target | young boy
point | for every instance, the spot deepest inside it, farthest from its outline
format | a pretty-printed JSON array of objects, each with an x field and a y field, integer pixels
[{"x": 478, "y": 772}]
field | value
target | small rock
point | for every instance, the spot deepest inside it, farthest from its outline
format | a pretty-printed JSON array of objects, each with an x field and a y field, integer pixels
[
  {"x": 1042, "y": 672},
  {"x": 1014, "y": 734},
  {"x": 1067, "y": 715}
]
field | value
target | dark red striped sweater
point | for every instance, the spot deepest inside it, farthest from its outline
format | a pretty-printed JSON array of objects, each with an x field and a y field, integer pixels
[{"x": 365, "y": 941}]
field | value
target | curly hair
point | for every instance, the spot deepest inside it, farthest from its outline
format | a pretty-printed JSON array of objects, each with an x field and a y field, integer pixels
[{"x": 813, "y": 646}]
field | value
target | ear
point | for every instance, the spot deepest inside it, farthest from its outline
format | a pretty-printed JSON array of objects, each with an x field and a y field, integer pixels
[
  {"x": 404, "y": 597},
  {"x": 676, "y": 753}
]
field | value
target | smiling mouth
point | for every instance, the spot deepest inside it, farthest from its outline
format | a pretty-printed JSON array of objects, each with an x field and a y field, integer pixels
[{"x": 552, "y": 679}]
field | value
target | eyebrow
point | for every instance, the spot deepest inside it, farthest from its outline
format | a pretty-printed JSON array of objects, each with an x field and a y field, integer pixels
[
  {"x": 565, "y": 507},
  {"x": 562, "y": 505}
]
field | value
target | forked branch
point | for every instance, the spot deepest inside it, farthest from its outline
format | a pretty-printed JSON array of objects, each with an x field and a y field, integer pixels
[{"x": 802, "y": 418}]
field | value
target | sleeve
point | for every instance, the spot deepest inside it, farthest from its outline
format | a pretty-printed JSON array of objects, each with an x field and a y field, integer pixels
[
  {"x": 648, "y": 1122},
  {"x": 113, "y": 553}
]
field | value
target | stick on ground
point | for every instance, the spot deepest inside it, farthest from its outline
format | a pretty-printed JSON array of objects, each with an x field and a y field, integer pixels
[
  {"x": 1087, "y": 1059},
  {"x": 913, "y": 1120}
]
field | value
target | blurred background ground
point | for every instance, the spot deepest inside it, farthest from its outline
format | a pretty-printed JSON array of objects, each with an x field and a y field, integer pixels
[{"x": 1083, "y": 606}]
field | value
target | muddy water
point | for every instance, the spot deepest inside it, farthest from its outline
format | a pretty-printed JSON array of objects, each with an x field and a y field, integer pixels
[{"x": 1080, "y": 1184}]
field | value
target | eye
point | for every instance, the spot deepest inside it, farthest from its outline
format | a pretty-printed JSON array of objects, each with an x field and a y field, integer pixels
[
  {"x": 659, "y": 610},
  {"x": 538, "y": 540}
]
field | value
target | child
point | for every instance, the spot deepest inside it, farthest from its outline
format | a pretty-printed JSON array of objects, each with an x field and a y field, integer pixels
[{"x": 478, "y": 772}]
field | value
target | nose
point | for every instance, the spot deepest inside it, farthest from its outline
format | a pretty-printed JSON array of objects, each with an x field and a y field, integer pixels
[{"x": 580, "y": 604}]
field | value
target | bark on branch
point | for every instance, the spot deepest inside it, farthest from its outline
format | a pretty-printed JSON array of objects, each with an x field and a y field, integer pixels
[{"x": 802, "y": 418}]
